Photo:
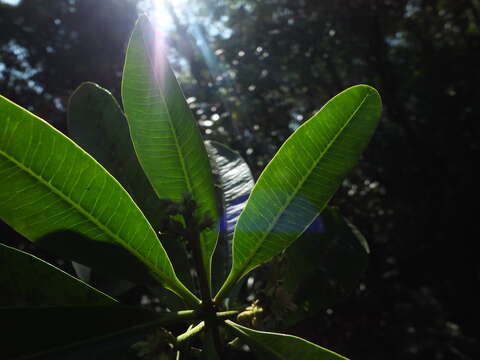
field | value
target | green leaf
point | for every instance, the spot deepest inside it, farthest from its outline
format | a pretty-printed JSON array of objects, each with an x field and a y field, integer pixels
[
  {"x": 165, "y": 135},
  {"x": 56, "y": 195},
  {"x": 333, "y": 255},
  {"x": 282, "y": 346},
  {"x": 68, "y": 332},
  {"x": 235, "y": 181},
  {"x": 302, "y": 177},
  {"x": 26, "y": 280},
  {"x": 98, "y": 125}
]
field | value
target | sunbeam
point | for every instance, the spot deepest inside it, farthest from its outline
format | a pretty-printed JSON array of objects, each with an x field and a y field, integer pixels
[{"x": 160, "y": 12}]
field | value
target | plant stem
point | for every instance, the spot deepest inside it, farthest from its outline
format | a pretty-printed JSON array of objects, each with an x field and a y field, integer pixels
[
  {"x": 191, "y": 332},
  {"x": 227, "y": 314},
  {"x": 176, "y": 317},
  {"x": 192, "y": 237},
  {"x": 211, "y": 347},
  {"x": 194, "y": 241},
  {"x": 208, "y": 307},
  {"x": 199, "y": 327},
  {"x": 212, "y": 336}
]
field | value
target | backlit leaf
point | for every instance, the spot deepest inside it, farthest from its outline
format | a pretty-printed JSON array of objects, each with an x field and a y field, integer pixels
[
  {"x": 165, "y": 135},
  {"x": 98, "y": 125},
  {"x": 59, "y": 197},
  {"x": 282, "y": 346},
  {"x": 302, "y": 177}
]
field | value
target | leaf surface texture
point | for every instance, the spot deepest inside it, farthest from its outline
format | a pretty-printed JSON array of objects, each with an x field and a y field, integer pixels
[
  {"x": 234, "y": 180},
  {"x": 97, "y": 123},
  {"x": 302, "y": 177},
  {"x": 165, "y": 135},
  {"x": 55, "y": 194}
]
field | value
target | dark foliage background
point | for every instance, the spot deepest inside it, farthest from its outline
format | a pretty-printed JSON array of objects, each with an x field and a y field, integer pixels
[{"x": 253, "y": 71}]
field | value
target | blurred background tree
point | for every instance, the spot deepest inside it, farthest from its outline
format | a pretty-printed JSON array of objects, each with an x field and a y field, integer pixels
[{"x": 253, "y": 71}]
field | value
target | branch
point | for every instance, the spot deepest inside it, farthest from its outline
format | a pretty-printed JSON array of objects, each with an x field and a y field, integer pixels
[{"x": 190, "y": 332}]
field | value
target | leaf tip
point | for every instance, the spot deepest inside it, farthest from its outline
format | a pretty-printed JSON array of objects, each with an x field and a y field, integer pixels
[{"x": 371, "y": 91}]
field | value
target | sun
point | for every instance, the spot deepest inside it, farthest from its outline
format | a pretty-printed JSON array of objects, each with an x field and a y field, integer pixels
[{"x": 159, "y": 12}]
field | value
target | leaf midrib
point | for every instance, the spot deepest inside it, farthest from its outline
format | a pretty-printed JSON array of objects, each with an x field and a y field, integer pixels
[
  {"x": 169, "y": 122},
  {"x": 300, "y": 184},
  {"x": 79, "y": 209},
  {"x": 205, "y": 251}
]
